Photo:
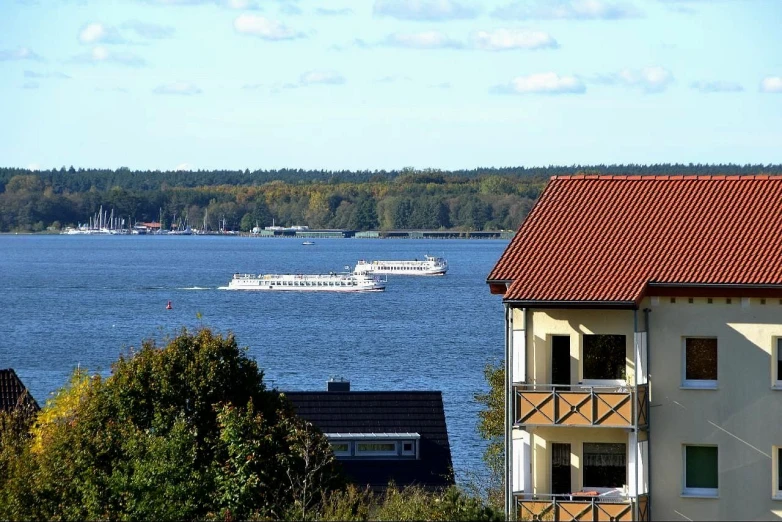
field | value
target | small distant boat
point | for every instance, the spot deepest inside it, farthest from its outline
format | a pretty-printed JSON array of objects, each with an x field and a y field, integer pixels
[
  {"x": 308, "y": 243},
  {"x": 331, "y": 282},
  {"x": 429, "y": 266}
]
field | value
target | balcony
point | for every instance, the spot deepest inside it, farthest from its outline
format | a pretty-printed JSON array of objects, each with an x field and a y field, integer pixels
[
  {"x": 581, "y": 406},
  {"x": 583, "y": 506}
]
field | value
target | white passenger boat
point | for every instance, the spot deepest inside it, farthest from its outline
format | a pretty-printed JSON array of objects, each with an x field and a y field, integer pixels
[
  {"x": 430, "y": 265},
  {"x": 331, "y": 282}
]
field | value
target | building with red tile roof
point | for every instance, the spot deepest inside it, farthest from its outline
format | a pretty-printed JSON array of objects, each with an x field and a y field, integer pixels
[
  {"x": 615, "y": 239},
  {"x": 643, "y": 321}
]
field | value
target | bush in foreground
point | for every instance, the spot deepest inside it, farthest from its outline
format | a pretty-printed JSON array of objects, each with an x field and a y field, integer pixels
[{"x": 183, "y": 432}]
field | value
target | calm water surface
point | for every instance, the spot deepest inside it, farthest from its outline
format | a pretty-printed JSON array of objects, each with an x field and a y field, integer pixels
[{"x": 81, "y": 300}]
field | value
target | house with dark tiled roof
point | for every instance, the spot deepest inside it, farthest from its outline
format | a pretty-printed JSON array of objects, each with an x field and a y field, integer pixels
[
  {"x": 13, "y": 394},
  {"x": 382, "y": 436},
  {"x": 643, "y": 320}
]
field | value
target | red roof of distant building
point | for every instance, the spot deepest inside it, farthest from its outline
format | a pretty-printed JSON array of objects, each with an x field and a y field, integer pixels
[{"x": 606, "y": 238}]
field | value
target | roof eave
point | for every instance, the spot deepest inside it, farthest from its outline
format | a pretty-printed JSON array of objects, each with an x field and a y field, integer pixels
[
  {"x": 499, "y": 286},
  {"x": 538, "y": 303},
  {"x": 712, "y": 289}
]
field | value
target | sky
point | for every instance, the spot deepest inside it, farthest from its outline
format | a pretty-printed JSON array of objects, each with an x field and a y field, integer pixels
[{"x": 388, "y": 84}]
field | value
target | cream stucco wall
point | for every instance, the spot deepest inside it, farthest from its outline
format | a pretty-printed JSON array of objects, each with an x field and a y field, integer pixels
[
  {"x": 743, "y": 416},
  {"x": 543, "y": 324},
  {"x": 541, "y": 440}
]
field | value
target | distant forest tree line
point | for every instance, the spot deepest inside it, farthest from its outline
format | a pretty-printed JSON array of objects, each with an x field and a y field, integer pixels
[{"x": 406, "y": 199}]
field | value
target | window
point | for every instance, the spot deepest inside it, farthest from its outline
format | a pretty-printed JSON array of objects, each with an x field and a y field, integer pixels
[
  {"x": 778, "y": 484},
  {"x": 605, "y": 358},
  {"x": 605, "y": 465},
  {"x": 778, "y": 363},
  {"x": 701, "y": 474},
  {"x": 700, "y": 362},
  {"x": 376, "y": 448},
  {"x": 340, "y": 448}
]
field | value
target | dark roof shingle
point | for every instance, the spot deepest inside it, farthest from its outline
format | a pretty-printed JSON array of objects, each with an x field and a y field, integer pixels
[
  {"x": 385, "y": 412},
  {"x": 13, "y": 393}
]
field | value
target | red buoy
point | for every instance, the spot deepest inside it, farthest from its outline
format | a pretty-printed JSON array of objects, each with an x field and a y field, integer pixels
[{"x": 168, "y": 306}]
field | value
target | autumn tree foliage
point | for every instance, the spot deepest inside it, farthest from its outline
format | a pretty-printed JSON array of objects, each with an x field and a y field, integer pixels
[{"x": 186, "y": 431}]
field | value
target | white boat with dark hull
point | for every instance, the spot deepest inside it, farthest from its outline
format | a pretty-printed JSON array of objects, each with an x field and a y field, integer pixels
[
  {"x": 332, "y": 282},
  {"x": 429, "y": 266}
]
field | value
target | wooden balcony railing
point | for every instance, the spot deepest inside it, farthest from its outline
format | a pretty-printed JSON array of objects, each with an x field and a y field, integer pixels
[
  {"x": 579, "y": 405},
  {"x": 575, "y": 507}
]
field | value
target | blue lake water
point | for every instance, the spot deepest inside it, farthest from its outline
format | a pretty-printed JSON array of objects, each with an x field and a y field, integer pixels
[{"x": 82, "y": 300}]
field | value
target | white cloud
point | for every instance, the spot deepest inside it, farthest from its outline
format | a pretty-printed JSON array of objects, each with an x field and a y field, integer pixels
[
  {"x": 263, "y": 27},
  {"x": 100, "y": 54},
  {"x": 568, "y": 9},
  {"x": 771, "y": 84},
  {"x": 230, "y": 4},
  {"x": 507, "y": 39},
  {"x": 423, "y": 40},
  {"x": 543, "y": 83},
  {"x": 650, "y": 79},
  {"x": 321, "y": 77},
  {"x": 148, "y": 30},
  {"x": 709, "y": 87},
  {"x": 20, "y": 53},
  {"x": 324, "y": 11},
  {"x": 426, "y": 10},
  {"x": 56, "y": 75},
  {"x": 34, "y": 166},
  {"x": 177, "y": 88},
  {"x": 95, "y": 32},
  {"x": 183, "y": 166}
]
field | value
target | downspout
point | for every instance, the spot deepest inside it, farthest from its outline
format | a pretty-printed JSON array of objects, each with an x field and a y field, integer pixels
[
  {"x": 647, "y": 311},
  {"x": 636, "y": 457},
  {"x": 509, "y": 413}
]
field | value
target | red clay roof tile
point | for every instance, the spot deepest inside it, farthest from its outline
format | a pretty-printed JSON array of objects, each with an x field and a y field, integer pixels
[{"x": 604, "y": 238}]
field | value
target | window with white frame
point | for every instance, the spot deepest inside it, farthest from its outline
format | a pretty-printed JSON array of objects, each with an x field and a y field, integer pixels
[
  {"x": 341, "y": 448},
  {"x": 604, "y": 359},
  {"x": 778, "y": 363},
  {"x": 700, "y": 362},
  {"x": 701, "y": 471},
  {"x": 375, "y": 445},
  {"x": 376, "y": 448}
]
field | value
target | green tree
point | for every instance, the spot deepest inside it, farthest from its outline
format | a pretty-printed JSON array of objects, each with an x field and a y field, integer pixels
[
  {"x": 366, "y": 214},
  {"x": 491, "y": 427},
  {"x": 187, "y": 431}
]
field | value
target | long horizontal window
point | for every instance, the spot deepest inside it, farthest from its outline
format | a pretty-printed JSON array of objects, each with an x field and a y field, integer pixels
[{"x": 374, "y": 445}]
